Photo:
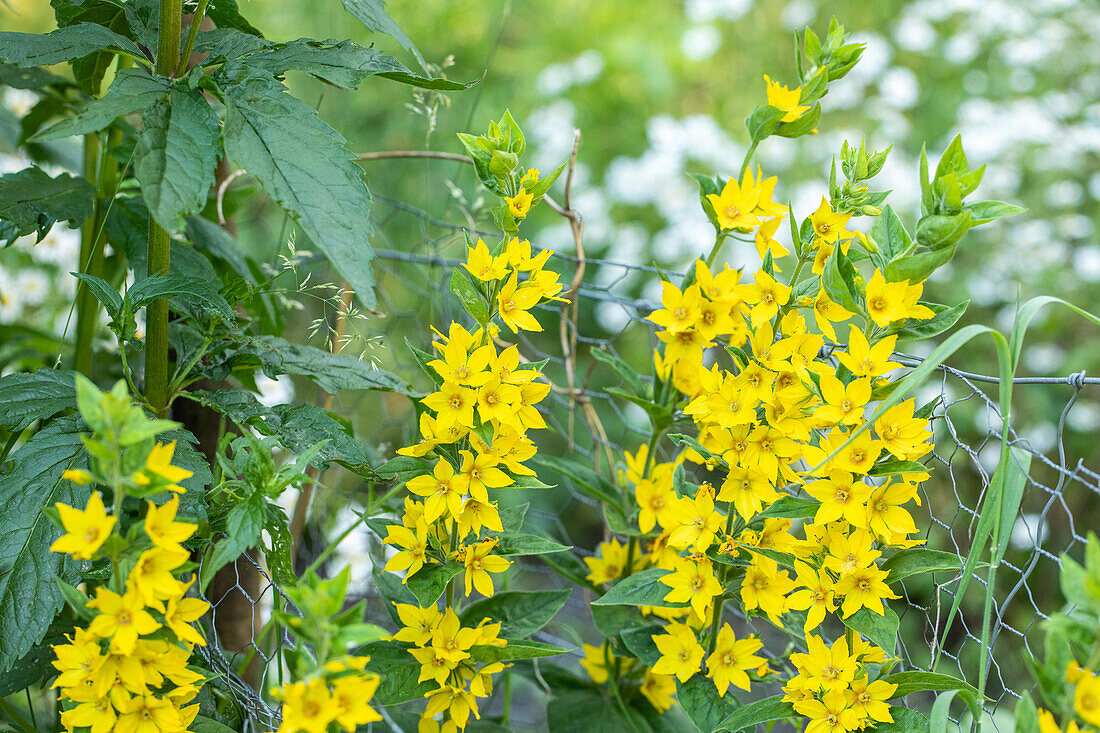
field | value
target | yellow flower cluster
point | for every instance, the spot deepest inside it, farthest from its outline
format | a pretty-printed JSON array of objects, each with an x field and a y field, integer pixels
[
  {"x": 127, "y": 670},
  {"x": 476, "y": 428},
  {"x": 782, "y": 418},
  {"x": 340, "y": 694},
  {"x": 1086, "y": 703}
]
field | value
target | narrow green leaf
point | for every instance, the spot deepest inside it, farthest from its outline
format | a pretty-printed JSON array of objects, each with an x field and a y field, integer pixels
[
  {"x": 790, "y": 507},
  {"x": 515, "y": 649},
  {"x": 917, "y": 681},
  {"x": 983, "y": 212},
  {"x": 103, "y": 291},
  {"x": 893, "y": 468},
  {"x": 517, "y": 543},
  {"x": 469, "y": 297},
  {"x": 747, "y": 717},
  {"x": 582, "y": 475},
  {"x": 889, "y": 234},
  {"x": 917, "y": 560},
  {"x": 372, "y": 14}
]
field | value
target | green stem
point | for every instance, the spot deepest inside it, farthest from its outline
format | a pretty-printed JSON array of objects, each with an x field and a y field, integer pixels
[
  {"x": 87, "y": 306},
  {"x": 718, "y": 239},
  {"x": 192, "y": 34},
  {"x": 746, "y": 160},
  {"x": 15, "y": 717},
  {"x": 156, "y": 341}
]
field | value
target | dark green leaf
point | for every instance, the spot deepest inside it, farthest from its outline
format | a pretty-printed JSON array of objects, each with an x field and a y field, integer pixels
[
  {"x": 937, "y": 231},
  {"x": 880, "y": 630},
  {"x": 747, "y": 717},
  {"x": 790, "y": 507},
  {"x": 467, "y": 294},
  {"x": 399, "y": 671},
  {"x": 392, "y": 590},
  {"x": 332, "y": 372},
  {"x": 31, "y": 201},
  {"x": 32, "y": 78},
  {"x": 582, "y": 475},
  {"x": 243, "y": 525},
  {"x": 587, "y": 711},
  {"x": 613, "y": 620},
  {"x": 216, "y": 241},
  {"x": 905, "y": 721},
  {"x": 103, "y": 291},
  {"x": 430, "y": 581},
  {"x": 516, "y": 543},
  {"x": 29, "y": 594},
  {"x": 894, "y": 467},
  {"x": 916, "y": 560},
  {"x": 520, "y": 613},
  {"x": 516, "y": 649},
  {"x": 640, "y": 589},
  {"x": 945, "y": 318},
  {"x": 700, "y": 700},
  {"x": 64, "y": 44},
  {"x": 304, "y": 165},
  {"x": 640, "y": 643},
  {"x": 840, "y": 289},
  {"x": 763, "y": 121},
  {"x": 38, "y": 395},
  {"x": 299, "y": 427},
  {"x": 190, "y": 291},
  {"x": 203, "y": 724},
  {"x": 624, "y": 370},
  {"x": 176, "y": 154},
  {"x": 131, "y": 91},
  {"x": 910, "y": 682},
  {"x": 35, "y": 666},
  {"x": 226, "y": 15}
]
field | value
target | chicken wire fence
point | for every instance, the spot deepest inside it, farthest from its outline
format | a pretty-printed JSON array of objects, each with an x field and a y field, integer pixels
[{"x": 413, "y": 270}]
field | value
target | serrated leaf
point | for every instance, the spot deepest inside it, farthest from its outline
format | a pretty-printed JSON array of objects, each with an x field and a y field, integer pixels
[
  {"x": 640, "y": 589},
  {"x": 192, "y": 291},
  {"x": 881, "y": 630},
  {"x": 243, "y": 525},
  {"x": 131, "y": 91},
  {"x": 303, "y": 165},
  {"x": 298, "y": 427},
  {"x": 176, "y": 154},
  {"x": 64, "y": 44},
  {"x": 332, "y": 372},
  {"x": 32, "y": 202},
  {"x": 372, "y": 14},
  {"x": 38, "y": 395},
  {"x": 747, "y": 717},
  {"x": 29, "y": 594},
  {"x": 520, "y": 613},
  {"x": 399, "y": 671}
]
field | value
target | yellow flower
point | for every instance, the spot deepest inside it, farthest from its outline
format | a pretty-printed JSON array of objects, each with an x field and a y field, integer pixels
[
  {"x": 816, "y": 595},
  {"x": 78, "y": 660},
  {"x": 161, "y": 527},
  {"x": 655, "y": 499},
  {"x": 681, "y": 654},
  {"x": 766, "y": 241},
  {"x": 121, "y": 619},
  {"x": 147, "y": 714},
  {"x": 159, "y": 463},
  {"x": 479, "y": 563},
  {"x": 693, "y": 581},
  {"x": 785, "y": 100},
  {"x": 767, "y": 295},
  {"x": 865, "y": 360},
  {"x": 417, "y": 623},
  {"x": 680, "y": 310},
  {"x": 868, "y": 699},
  {"x": 513, "y": 303},
  {"x": 843, "y": 403},
  {"x": 1086, "y": 698},
  {"x": 481, "y": 264},
  {"x": 658, "y": 689},
  {"x": 736, "y": 205},
  {"x": 77, "y": 476},
  {"x": 181, "y": 613},
  {"x": 530, "y": 178},
  {"x": 440, "y": 490},
  {"x": 826, "y": 313},
  {"x": 307, "y": 706},
  {"x": 414, "y": 546},
  {"x": 519, "y": 204},
  {"x": 765, "y": 587},
  {"x": 351, "y": 695},
  {"x": 451, "y": 640},
  {"x": 595, "y": 661},
  {"x": 730, "y": 659},
  {"x": 453, "y": 404},
  {"x": 831, "y": 714},
  {"x": 841, "y": 497},
  {"x": 829, "y": 226},
  {"x": 85, "y": 531},
  {"x": 609, "y": 563},
  {"x": 748, "y": 490},
  {"x": 865, "y": 588}
]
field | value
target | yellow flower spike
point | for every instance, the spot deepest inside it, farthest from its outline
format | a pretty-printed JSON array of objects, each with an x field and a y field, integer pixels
[
  {"x": 479, "y": 563},
  {"x": 520, "y": 204},
  {"x": 731, "y": 659},
  {"x": 481, "y": 264},
  {"x": 609, "y": 563},
  {"x": 530, "y": 178},
  {"x": 121, "y": 619},
  {"x": 829, "y": 225},
  {"x": 159, "y": 462},
  {"x": 513, "y": 303},
  {"x": 785, "y": 100},
  {"x": 681, "y": 654},
  {"x": 441, "y": 491},
  {"x": 85, "y": 531}
]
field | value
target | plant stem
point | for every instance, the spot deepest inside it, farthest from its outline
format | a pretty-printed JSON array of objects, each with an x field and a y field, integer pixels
[
  {"x": 746, "y": 160},
  {"x": 156, "y": 342},
  {"x": 192, "y": 34},
  {"x": 15, "y": 717},
  {"x": 87, "y": 306}
]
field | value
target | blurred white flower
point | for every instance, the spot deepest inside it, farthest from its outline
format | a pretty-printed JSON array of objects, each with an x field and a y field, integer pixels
[
  {"x": 914, "y": 33},
  {"x": 60, "y": 246},
  {"x": 700, "y": 42},
  {"x": 273, "y": 392},
  {"x": 33, "y": 286},
  {"x": 1027, "y": 532},
  {"x": 19, "y": 101},
  {"x": 962, "y": 48},
  {"x": 702, "y": 11},
  {"x": 11, "y": 301},
  {"x": 798, "y": 14}
]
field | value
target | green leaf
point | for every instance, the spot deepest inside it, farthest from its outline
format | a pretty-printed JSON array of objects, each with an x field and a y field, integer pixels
[
  {"x": 401, "y": 469},
  {"x": 700, "y": 700},
  {"x": 640, "y": 643},
  {"x": 582, "y": 475},
  {"x": 515, "y": 649},
  {"x": 881, "y": 630},
  {"x": 190, "y": 291},
  {"x": 468, "y": 295},
  {"x": 945, "y": 319},
  {"x": 520, "y": 613},
  {"x": 36, "y": 665},
  {"x": 910, "y": 682},
  {"x": 29, "y": 594},
  {"x": 243, "y": 525},
  {"x": 304, "y": 166},
  {"x": 614, "y": 620},
  {"x": 38, "y": 395},
  {"x": 983, "y": 212},
  {"x": 840, "y": 289},
  {"x": 299, "y": 427},
  {"x": 517, "y": 543},
  {"x": 64, "y": 44},
  {"x": 399, "y": 671},
  {"x": 640, "y": 589},
  {"x": 905, "y": 721},
  {"x": 1027, "y": 715},
  {"x": 344, "y": 64},
  {"x": 893, "y": 468},
  {"x": 763, "y": 122},
  {"x": 176, "y": 154},
  {"x": 937, "y": 231},
  {"x": 372, "y": 14},
  {"x": 428, "y": 584},
  {"x": 332, "y": 372},
  {"x": 659, "y": 415},
  {"x": 624, "y": 370},
  {"x": 747, "y": 717},
  {"x": 587, "y": 711},
  {"x": 917, "y": 560},
  {"x": 917, "y": 266},
  {"x": 790, "y": 507},
  {"x": 390, "y": 587},
  {"x": 890, "y": 235},
  {"x": 103, "y": 291},
  {"x": 225, "y": 14},
  {"x": 31, "y": 201},
  {"x": 203, "y": 724},
  {"x": 131, "y": 91}
]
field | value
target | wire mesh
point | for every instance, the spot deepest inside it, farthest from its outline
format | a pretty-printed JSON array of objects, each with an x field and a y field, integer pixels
[{"x": 413, "y": 269}]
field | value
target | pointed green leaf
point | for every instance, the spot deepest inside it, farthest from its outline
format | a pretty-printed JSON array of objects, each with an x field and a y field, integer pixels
[
  {"x": 881, "y": 630},
  {"x": 131, "y": 91},
  {"x": 64, "y": 44},
  {"x": 520, "y": 613},
  {"x": 32, "y": 202},
  {"x": 747, "y": 717},
  {"x": 38, "y": 395},
  {"x": 640, "y": 589}
]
